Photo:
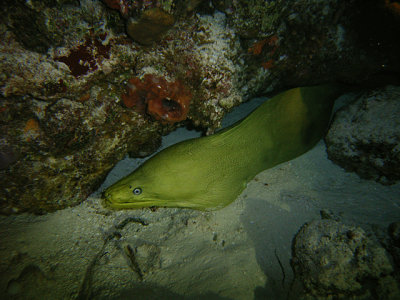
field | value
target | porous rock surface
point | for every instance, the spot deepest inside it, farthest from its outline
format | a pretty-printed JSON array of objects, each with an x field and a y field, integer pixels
[
  {"x": 365, "y": 136},
  {"x": 334, "y": 259}
]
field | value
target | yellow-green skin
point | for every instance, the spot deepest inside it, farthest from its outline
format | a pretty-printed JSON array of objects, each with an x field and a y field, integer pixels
[{"x": 210, "y": 172}]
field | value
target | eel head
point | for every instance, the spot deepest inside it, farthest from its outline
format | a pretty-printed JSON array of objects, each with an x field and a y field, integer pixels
[{"x": 170, "y": 178}]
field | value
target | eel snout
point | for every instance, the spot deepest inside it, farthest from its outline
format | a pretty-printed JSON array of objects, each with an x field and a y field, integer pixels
[{"x": 105, "y": 196}]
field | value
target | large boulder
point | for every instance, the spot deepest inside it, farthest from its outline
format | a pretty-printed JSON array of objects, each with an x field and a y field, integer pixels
[
  {"x": 340, "y": 261},
  {"x": 365, "y": 136}
]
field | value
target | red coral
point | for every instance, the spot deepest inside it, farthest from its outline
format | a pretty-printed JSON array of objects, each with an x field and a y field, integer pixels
[
  {"x": 165, "y": 101},
  {"x": 86, "y": 57}
]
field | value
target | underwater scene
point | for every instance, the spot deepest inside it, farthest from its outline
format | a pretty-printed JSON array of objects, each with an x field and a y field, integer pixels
[{"x": 220, "y": 149}]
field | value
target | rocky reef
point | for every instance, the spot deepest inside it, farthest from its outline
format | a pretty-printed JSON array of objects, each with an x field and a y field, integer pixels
[
  {"x": 365, "y": 136},
  {"x": 69, "y": 70},
  {"x": 332, "y": 259}
]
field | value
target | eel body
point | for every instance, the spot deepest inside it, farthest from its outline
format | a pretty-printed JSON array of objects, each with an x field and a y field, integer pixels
[{"x": 210, "y": 172}]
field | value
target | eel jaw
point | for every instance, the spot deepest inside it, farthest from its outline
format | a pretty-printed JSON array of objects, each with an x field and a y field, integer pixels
[
  {"x": 109, "y": 202},
  {"x": 113, "y": 203}
]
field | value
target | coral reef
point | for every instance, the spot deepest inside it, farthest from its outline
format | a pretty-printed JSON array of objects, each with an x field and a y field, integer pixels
[
  {"x": 165, "y": 101},
  {"x": 54, "y": 153},
  {"x": 61, "y": 114},
  {"x": 65, "y": 65},
  {"x": 202, "y": 55},
  {"x": 319, "y": 41},
  {"x": 62, "y": 125}
]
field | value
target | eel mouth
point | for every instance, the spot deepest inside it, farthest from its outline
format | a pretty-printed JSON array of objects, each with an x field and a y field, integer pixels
[
  {"x": 114, "y": 203},
  {"x": 109, "y": 202},
  {"x": 121, "y": 205}
]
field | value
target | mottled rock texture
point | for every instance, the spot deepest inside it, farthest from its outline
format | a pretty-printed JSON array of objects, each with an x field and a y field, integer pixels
[
  {"x": 63, "y": 122},
  {"x": 335, "y": 260},
  {"x": 365, "y": 136}
]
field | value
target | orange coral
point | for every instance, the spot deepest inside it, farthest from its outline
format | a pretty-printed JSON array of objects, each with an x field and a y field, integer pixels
[
  {"x": 272, "y": 42},
  {"x": 394, "y": 6},
  {"x": 257, "y": 48},
  {"x": 31, "y": 130},
  {"x": 268, "y": 64},
  {"x": 165, "y": 101},
  {"x": 31, "y": 126}
]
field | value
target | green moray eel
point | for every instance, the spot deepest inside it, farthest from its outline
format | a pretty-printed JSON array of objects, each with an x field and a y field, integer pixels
[{"x": 208, "y": 173}]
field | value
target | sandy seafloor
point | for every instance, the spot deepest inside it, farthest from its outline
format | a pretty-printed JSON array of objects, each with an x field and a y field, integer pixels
[{"x": 242, "y": 251}]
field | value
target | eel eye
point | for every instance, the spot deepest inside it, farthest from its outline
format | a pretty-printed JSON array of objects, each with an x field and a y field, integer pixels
[{"x": 137, "y": 191}]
